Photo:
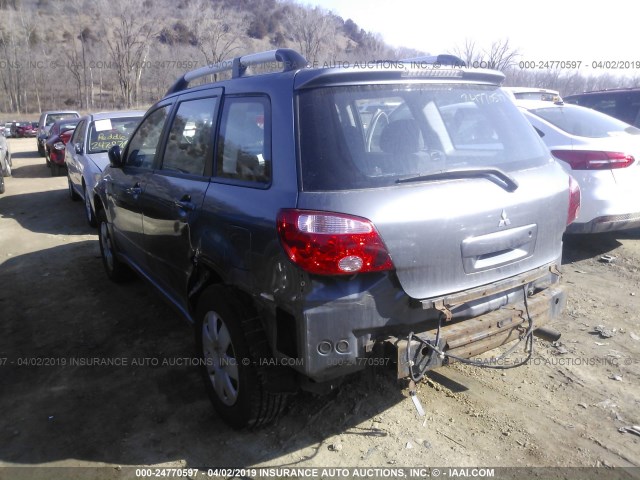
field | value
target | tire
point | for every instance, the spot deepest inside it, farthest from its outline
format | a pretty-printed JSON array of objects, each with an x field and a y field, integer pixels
[
  {"x": 1, "y": 184},
  {"x": 41, "y": 150},
  {"x": 56, "y": 170},
  {"x": 88, "y": 209},
  {"x": 231, "y": 342},
  {"x": 117, "y": 271},
  {"x": 7, "y": 166},
  {"x": 73, "y": 195}
]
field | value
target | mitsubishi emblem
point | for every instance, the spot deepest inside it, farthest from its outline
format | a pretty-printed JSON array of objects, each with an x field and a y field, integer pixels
[{"x": 504, "y": 221}]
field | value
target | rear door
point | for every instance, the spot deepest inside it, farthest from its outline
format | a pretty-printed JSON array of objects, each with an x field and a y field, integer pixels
[{"x": 173, "y": 195}]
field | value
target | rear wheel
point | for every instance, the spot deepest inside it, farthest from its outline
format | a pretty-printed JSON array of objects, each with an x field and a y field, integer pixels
[
  {"x": 116, "y": 270},
  {"x": 232, "y": 344},
  {"x": 1, "y": 184},
  {"x": 40, "y": 149}
]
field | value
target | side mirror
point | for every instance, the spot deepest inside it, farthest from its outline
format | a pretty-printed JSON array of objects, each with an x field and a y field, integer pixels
[
  {"x": 78, "y": 148},
  {"x": 115, "y": 156}
]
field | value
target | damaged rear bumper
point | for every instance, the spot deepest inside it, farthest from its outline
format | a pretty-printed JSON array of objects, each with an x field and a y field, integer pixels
[{"x": 472, "y": 337}]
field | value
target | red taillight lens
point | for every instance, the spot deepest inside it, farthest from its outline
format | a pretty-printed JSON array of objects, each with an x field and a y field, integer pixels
[
  {"x": 332, "y": 244},
  {"x": 574, "y": 200},
  {"x": 66, "y": 136},
  {"x": 593, "y": 160}
]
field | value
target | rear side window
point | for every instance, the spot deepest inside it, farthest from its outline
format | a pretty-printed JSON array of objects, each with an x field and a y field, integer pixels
[
  {"x": 244, "y": 147},
  {"x": 190, "y": 137},
  {"x": 373, "y": 135}
]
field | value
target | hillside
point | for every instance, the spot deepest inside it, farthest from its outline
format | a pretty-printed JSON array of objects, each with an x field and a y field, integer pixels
[
  {"x": 110, "y": 54},
  {"x": 94, "y": 55}
]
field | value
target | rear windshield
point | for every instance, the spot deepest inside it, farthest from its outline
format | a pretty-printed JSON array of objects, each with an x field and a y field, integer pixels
[
  {"x": 54, "y": 117},
  {"x": 373, "y": 135},
  {"x": 104, "y": 134},
  {"x": 584, "y": 122}
]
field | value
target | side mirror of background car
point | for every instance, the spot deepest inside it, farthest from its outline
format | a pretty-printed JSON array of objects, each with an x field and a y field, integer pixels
[
  {"x": 78, "y": 148},
  {"x": 115, "y": 156}
]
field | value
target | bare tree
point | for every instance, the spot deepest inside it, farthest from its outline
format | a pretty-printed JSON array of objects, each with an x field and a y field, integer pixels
[
  {"x": 467, "y": 52},
  {"x": 130, "y": 26},
  {"x": 216, "y": 37},
  {"x": 310, "y": 29},
  {"x": 499, "y": 56}
]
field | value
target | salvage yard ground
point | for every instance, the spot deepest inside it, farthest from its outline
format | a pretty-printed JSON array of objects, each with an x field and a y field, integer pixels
[{"x": 61, "y": 321}]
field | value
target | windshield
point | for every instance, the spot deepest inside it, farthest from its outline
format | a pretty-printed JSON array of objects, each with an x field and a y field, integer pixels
[
  {"x": 104, "y": 134},
  {"x": 374, "y": 135},
  {"x": 584, "y": 122}
]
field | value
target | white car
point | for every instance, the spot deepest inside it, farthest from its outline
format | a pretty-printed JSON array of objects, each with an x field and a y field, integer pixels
[
  {"x": 86, "y": 152},
  {"x": 532, "y": 93},
  {"x": 601, "y": 153}
]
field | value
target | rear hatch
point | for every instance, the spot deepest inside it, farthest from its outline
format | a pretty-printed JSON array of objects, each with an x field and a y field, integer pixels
[{"x": 459, "y": 187}]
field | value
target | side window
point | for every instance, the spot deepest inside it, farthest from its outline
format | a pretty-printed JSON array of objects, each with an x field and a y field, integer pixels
[
  {"x": 190, "y": 138},
  {"x": 144, "y": 143},
  {"x": 78, "y": 134},
  {"x": 244, "y": 148}
]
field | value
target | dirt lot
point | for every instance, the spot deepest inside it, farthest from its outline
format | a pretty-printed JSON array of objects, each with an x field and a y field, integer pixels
[{"x": 58, "y": 310}]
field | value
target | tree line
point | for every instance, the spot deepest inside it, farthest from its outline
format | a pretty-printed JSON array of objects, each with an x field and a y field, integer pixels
[{"x": 112, "y": 54}]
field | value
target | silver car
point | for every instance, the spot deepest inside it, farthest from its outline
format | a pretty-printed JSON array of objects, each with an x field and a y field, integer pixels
[
  {"x": 601, "y": 153},
  {"x": 5, "y": 157},
  {"x": 86, "y": 152}
]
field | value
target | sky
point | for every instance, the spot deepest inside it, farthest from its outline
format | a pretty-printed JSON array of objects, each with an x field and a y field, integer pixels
[{"x": 541, "y": 30}]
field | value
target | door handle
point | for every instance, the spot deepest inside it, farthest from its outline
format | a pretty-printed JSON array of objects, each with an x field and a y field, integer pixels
[
  {"x": 185, "y": 203},
  {"x": 135, "y": 190}
]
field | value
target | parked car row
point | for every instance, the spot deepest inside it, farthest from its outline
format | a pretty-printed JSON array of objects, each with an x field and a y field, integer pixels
[{"x": 20, "y": 129}]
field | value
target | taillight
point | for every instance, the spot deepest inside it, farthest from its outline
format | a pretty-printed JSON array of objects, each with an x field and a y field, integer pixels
[
  {"x": 574, "y": 200},
  {"x": 66, "y": 136},
  {"x": 593, "y": 159},
  {"x": 332, "y": 244}
]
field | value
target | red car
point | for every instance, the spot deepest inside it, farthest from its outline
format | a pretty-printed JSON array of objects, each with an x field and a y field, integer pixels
[
  {"x": 59, "y": 135},
  {"x": 25, "y": 129}
]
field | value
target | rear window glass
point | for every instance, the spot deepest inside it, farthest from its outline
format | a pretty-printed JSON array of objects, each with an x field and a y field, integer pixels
[
  {"x": 54, "y": 117},
  {"x": 104, "y": 134},
  {"x": 583, "y": 122},
  {"x": 374, "y": 135}
]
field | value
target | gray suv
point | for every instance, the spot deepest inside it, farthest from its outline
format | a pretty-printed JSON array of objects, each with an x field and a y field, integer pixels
[{"x": 304, "y": 220}]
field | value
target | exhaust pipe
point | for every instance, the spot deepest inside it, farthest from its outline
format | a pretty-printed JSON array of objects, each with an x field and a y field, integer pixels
[{"x": 548, "y": 334}]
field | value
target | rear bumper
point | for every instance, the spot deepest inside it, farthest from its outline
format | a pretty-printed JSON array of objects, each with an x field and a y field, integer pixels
[
  {"x": 336, "y": 333},
  {"x": 607, "y": 223},
  {"x": 472, "y": 337}
]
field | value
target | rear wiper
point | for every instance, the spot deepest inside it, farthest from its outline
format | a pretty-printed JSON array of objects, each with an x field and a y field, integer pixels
[{"x": 496, "y": 175}]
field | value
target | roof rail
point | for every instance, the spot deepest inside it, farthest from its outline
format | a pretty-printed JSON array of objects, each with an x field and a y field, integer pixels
[{"x": 291, "y": 59}]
